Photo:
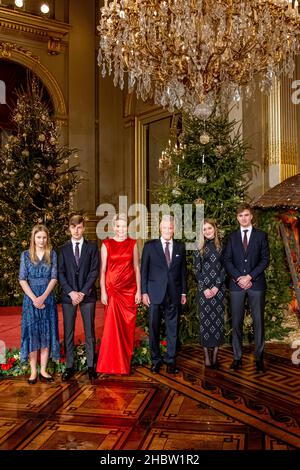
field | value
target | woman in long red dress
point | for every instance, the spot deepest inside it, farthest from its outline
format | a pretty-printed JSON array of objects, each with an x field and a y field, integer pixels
[{"x": 120, "y": 293}]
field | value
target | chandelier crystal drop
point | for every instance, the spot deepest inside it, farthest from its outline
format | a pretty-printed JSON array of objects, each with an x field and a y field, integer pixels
[{"x": 190, "y": 54}]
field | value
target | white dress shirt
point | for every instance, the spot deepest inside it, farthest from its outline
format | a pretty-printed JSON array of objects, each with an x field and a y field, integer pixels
[
  {"x": 80, "y": 245},
  {"x": 163, "y": 241},
  {"x": 248, "y": 233}
]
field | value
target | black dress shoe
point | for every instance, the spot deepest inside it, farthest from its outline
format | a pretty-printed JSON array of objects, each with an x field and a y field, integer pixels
[
  {"x": 32, "y": 381},
  {"x": 69, "y": 372},
  {"x": 215, "y": 365},
  {"x": 172, "y": 369},
  {"x": 46, "y": 379},
  {"x": 208, "y": 365},
  {"x": 155, "y": 368},
  {"x": 236, "y": 364},
  {"x": 260, "y": 367},
  {"x": 92, "y": 373}
]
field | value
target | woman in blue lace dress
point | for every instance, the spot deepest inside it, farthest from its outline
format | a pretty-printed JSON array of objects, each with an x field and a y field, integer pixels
[{"x": 38, "y": 276}]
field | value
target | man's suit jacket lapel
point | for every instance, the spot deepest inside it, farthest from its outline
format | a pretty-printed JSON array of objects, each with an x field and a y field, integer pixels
[
  {"x": 251, "y": 240},
  {"x": 240, "y": 242},
  {"x": 160, "y": 251},
  {"x": 83, "y": 253},
  {"x": 70, "y": 254},
  {"x": 175, "y": 252}
]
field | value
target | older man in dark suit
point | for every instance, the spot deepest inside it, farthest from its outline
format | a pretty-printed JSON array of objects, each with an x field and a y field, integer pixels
[
  {"x": 78, "y": 270},
  {"x": 163, "y": 273},
  {"x": 246, "y": 258}
]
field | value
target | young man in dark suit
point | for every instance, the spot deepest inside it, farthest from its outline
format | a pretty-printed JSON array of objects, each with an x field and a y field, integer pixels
[
  {"x": 246, "y": 257},
  {"x": 163, "y": 271},
  {"x": 78, "y": 270}
]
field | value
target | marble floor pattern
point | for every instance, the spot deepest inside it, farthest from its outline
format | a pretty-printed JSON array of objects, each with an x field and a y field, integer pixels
[{"x": 197, "y": 409}]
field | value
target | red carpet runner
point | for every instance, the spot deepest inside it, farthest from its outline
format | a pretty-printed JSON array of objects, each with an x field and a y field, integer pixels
[{"x": 10, "y": 325}]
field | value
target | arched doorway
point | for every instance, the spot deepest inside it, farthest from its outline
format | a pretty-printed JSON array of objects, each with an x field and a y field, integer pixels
[
  {"x": 13, "y": 53},
  {"x": 13, "y": 79}
]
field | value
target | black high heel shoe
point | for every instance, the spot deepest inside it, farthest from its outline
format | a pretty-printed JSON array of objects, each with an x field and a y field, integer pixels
[
  {"x": 214, "y": 358},
  {"x": 32, "y": 381},
  {"x": 46, "y": 379},
  {"x": 207, "y": 359}
]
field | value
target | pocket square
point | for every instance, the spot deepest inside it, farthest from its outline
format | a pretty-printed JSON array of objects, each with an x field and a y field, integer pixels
[{"x": 177, "y": 255}]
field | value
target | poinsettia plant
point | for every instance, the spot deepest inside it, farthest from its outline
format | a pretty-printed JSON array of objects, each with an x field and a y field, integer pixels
[
  {"x": 13, "y": 367},
  {"x": 142, "y": 355}
]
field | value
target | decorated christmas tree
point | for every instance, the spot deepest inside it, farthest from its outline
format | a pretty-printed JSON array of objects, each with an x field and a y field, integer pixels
[
  {"x": 36, "y": 185},
  {"x": 206, "y": 162}
]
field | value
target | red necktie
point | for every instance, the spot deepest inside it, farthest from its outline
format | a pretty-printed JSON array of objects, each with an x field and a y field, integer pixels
[
  {"x": 245, "y": 240},
  {"x": 167, "y": 254}
]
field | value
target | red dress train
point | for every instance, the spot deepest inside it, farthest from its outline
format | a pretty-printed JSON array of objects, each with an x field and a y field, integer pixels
[{"x": 120, "y": 314}]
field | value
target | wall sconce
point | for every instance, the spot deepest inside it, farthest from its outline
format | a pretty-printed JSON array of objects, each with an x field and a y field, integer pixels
[
  {"x": 19, "y": 3},
  {"x": 45, "y": 8}
]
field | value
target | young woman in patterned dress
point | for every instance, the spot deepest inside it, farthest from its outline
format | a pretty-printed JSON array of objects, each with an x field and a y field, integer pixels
[{"x": 210, "y": 274}]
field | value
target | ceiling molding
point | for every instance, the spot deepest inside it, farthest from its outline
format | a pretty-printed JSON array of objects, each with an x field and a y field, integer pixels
[{"x": 35, "y": 27}]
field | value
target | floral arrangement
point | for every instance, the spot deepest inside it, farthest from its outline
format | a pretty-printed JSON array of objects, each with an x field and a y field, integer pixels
[
  {"x": 13, "y": 367},
  {"x": 142, "y": 319}
]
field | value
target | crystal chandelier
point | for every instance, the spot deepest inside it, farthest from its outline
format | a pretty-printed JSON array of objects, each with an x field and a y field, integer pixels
[{"x": 188, "y": 54}]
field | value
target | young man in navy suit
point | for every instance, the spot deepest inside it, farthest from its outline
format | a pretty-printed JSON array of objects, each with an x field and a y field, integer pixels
[
  {"x": 246, "y": 258},
  {"x": 78, "y": 270},
  {"x": 163, "y": 271}
]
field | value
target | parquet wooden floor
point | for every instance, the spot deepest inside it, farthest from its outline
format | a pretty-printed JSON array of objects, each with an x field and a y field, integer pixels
[{"x": 197, "y": 409}]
